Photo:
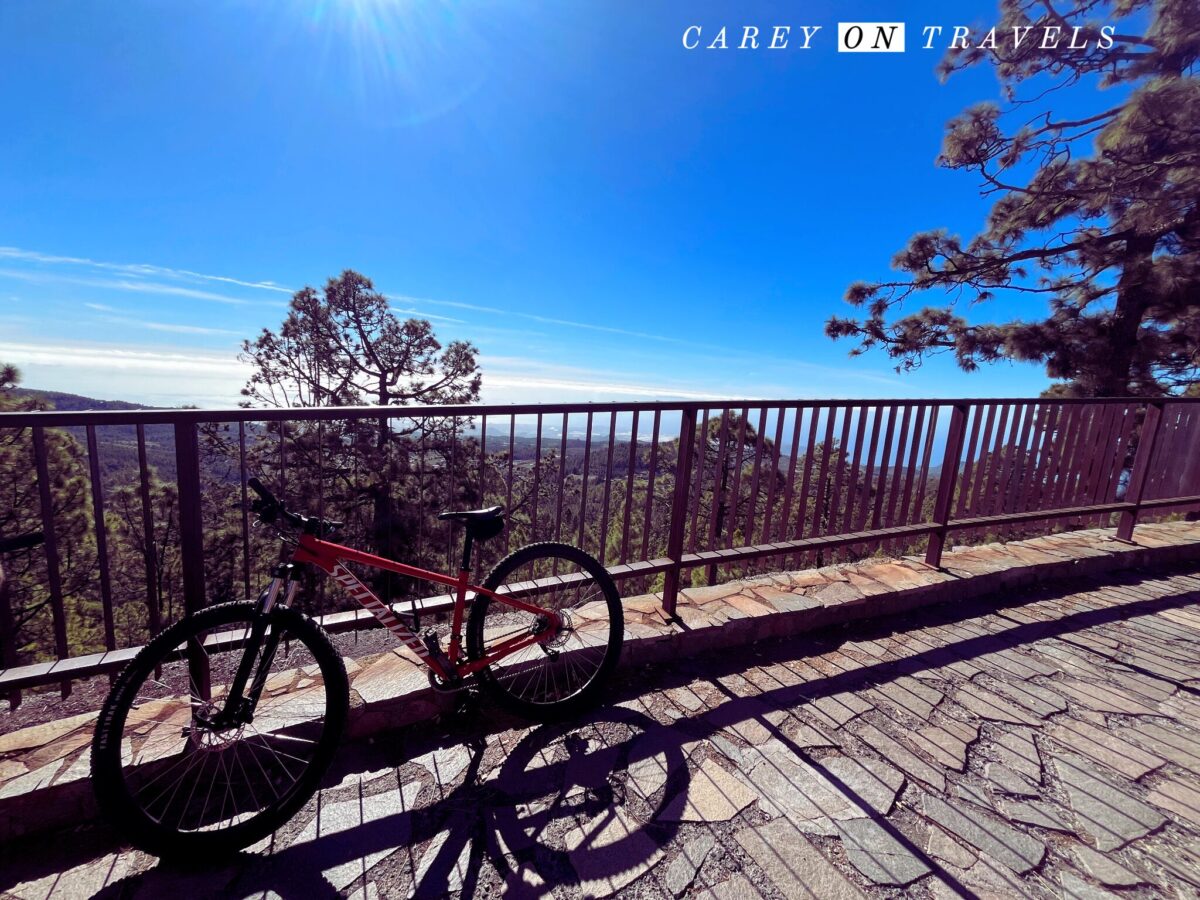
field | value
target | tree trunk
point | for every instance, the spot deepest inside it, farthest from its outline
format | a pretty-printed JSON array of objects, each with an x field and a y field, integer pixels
[{"x": 1133, "y": 299}]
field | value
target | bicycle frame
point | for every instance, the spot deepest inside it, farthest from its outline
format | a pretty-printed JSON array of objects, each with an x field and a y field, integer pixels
[{"x": 331, "y": 559}]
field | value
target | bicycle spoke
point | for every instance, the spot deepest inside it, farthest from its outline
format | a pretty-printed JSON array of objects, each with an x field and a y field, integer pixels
[{"x": 187, "y": 774}]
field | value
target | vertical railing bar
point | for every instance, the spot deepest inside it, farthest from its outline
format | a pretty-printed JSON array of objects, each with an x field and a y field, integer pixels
[
  {"x": 1068, "y": 441},
  {"x": 698, "y": 485},
  {"x": 1019, "y": 456},
  {"x": 8, "y": 640},
  {"x": 1087, "y": 434},
  {"x": 1186, "y": 482},
  {"x": 1170, "y": 468},
  {"x": 149, "y": 545},
  {"x": 631, "y": 470},
  {"x": 797, "y": 526},
  {"x": 537, "y": 470},
  {"x": 191, "y": 541},
  {"x": 1104, "y": 461},
  {"x": 718, "y": 481},
  {"x": 739, "y": 447},
  {"x": 650, "y": 476},
  {"x": 923, "y": 483},
  {"x": 835, "y": 503},
  {"x": 901, "y": 470},
  {"x": 243, "y": 477},
  {"x": 687, "y": 439},
  {"x": 1172, "y": 426},
  {"x": 1168, "y": 430},
  {"x": 1032, "y": 459},
  {"x": 100, "y": 527},
  {"x": 1005, "y": 462},
  {"x": 864, "y": 507},
  {"x": 773, "y": 487},
  {"x": 282, "y": 457},
  {"x": 823, "y": 472},
  {"x": 860, "y": 433},
  {"x": 583, "y": 490},
  {"x": 1062, "y": 446},
  {"x": 995, "y": 464},
  {"x": 483, "y": 462},
  {"x": 421, "y": 491},
  {"x": 53, "y": 572},
  {"x": 1141, "y": 464},
  {"x": 756, "y": 474},
  {"x": 562, "y": 478},
  {"x": 858, "y": 522},
  {"x": 789, "y": 486},
  {"x": 1093, "y": 448},
  {"x": 886, "y": 473},
  {"x": 981, "y": 462},
  {"x": 910, "y": 473},
  {"x": 1120, "y": 451},
  {"x": 451, "y": 564},
  {"x": 512, "y": 447},
  {"x": 1045, "y": 457},
  {"x": 993, "y": 431},
  {"x": 608, "y": 477},
  {"x": 1010, "y": 453},
  {"x": 964, "y": 482},
  {"x": 951, "y": 460}
]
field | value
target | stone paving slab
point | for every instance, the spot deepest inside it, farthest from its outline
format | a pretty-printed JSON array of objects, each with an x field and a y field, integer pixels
[{"x": 987, "y": 748}]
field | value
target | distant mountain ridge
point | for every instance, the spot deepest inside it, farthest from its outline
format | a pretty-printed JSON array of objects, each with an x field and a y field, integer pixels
[{"x": 76, "y": 402}]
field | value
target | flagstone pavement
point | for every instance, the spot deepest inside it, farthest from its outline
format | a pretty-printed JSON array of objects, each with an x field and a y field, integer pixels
[{"x": 1043, "y": 744}]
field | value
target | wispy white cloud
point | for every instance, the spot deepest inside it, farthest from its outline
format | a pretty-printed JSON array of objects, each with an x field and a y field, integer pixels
[
  {"x": 132, "y": 286},
  {"x": 135, "y": 268},
  {"x": 545, "y": 320},
  {"x": 141, "y": 270},
  {"x": 81, "y": 355},
  {"x": 170, "y": 327}
]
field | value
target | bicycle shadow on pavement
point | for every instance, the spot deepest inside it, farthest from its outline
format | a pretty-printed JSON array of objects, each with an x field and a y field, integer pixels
[{"x": 553, "y": 777}]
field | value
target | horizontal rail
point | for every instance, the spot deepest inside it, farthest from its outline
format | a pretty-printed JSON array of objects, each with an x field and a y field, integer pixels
[{"x": 105, "y": 417}]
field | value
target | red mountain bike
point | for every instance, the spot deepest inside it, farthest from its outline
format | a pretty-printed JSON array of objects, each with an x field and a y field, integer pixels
[{"x": 221, "y": 728}]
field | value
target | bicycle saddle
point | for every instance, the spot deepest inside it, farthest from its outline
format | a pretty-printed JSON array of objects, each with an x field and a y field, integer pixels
[{"x": 477, "y": 516}]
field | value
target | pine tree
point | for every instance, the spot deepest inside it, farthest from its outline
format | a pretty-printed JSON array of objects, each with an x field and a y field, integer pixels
[{"x": 1106, "y": 228}]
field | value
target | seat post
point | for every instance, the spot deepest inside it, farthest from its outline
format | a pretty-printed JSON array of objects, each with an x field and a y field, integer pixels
[{"x": 466, "y": 557}]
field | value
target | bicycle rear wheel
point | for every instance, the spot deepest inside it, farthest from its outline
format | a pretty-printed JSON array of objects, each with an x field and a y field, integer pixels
[
  {"x": 563, "y": 675},
  {"x": 173, "y": 783}
]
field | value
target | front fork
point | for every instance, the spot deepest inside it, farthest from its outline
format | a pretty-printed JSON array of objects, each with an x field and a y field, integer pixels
[{"x": 239, "y": 706}]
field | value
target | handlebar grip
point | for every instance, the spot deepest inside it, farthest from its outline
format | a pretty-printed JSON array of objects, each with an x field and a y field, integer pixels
[{"x": 257, "y": 486}]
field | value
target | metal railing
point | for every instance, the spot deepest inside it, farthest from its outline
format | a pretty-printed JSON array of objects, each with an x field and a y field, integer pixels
[{"x": 142, "y": 519}]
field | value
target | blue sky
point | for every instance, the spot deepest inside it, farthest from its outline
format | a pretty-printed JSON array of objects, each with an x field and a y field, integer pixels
[{"x": 603, "y": 213}]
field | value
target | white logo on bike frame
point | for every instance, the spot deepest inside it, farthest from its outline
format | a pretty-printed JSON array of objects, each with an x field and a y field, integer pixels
[{"x": 379, "y": 610}]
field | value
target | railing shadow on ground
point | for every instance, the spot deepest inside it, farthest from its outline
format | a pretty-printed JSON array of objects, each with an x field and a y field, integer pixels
[{"x": 298, "y": 870}]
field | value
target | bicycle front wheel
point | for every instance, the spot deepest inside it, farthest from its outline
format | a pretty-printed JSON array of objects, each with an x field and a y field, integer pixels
[
  {"x": 174, "y": 782},
  {"x": 565, "y": 673}
]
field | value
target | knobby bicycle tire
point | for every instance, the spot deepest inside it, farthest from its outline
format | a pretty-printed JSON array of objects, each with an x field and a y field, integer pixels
[
  {"x": 109, "y": 770},
  {"x": 604, "y": 636}
]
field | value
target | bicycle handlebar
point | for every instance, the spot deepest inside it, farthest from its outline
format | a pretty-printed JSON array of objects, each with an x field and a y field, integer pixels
[{"x": 268, "y": 508}]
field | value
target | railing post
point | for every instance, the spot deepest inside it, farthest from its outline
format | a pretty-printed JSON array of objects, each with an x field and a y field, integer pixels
[
  {"x": 53, "y": 573},
  {"x": 946, "y": 484},
  {"x": 679, "y": 502},
  {"x": 191, "y": 541},
  {"x": 8, "y": 643},
  {"x": 1141, "y": 467}
]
